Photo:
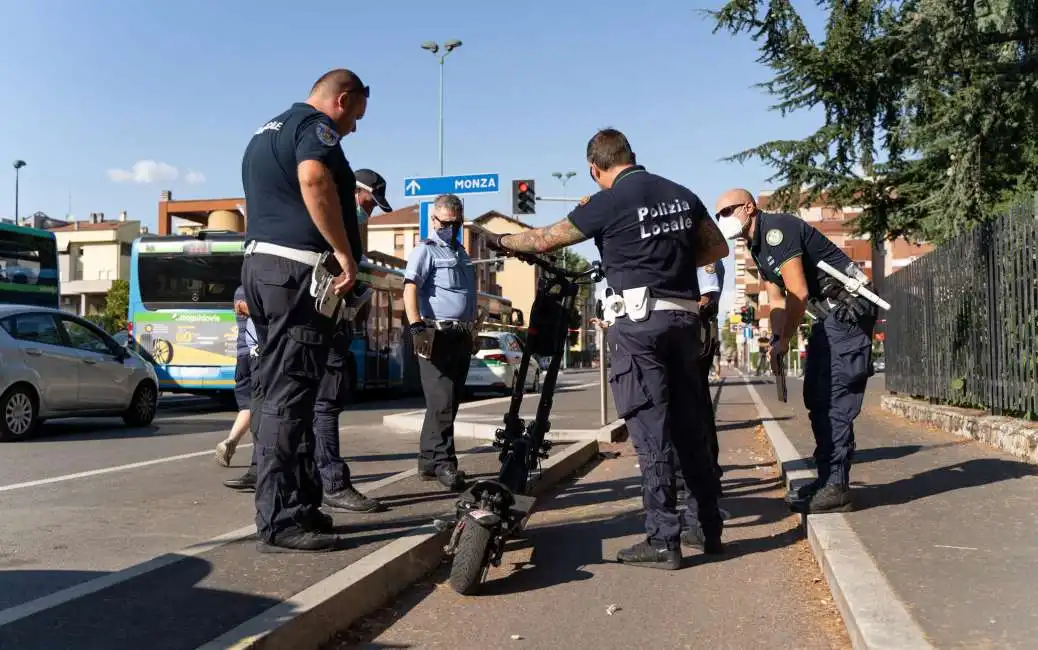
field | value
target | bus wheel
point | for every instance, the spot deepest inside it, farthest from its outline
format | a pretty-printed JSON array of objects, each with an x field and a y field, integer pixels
[
  {"x": 19, "y": 413},
  {"x": 143, "y": 405}
]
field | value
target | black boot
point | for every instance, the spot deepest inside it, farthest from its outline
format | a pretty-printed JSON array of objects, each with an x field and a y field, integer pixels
[
  {"x": 695, "y": 538},
  {"x": 244, "y": 483},
  {"x": 644, "y": 554},
  {"x": 449, "y": 477},
  {"x": 299, "y": 541},
  {"x": 829, "y": 498},
  {"x": 351, "y": 500},
  {"x": 320, "y": 523},
  {"x": 804, "y": 492}
]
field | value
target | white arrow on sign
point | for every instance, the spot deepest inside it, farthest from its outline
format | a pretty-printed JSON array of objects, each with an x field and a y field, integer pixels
[{"x": 413, "y": 186}]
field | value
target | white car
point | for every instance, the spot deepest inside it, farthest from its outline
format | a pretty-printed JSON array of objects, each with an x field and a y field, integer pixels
[
  {"x": 56, "y": 365},
  {"x": 496, "y": 364}
]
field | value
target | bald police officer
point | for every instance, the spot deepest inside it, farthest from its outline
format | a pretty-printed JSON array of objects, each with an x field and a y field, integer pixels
[
  {"x": 787, "y": 251},
  {"x": 440, "y": 301},
  {"x": 299, "y": 192},
  {"x": 652, "y": 234}
]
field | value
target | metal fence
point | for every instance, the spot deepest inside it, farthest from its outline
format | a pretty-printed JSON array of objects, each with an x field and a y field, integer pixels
[{"x": 963, "y": 321}]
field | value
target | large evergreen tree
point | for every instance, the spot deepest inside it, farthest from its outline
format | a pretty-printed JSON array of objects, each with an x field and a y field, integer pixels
[{"x": 930, "y": 107}]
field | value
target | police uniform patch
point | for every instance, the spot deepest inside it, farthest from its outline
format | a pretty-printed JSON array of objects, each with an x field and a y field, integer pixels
[
  {"x": 326, "y": 135},
  {"x": 585, "y": 199},
  {"x": 774, "y": 237},
  {"x": 709, "y": 268}
]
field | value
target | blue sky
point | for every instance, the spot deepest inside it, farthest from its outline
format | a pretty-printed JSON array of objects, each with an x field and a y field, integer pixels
[{"x": 92, "y": 87}]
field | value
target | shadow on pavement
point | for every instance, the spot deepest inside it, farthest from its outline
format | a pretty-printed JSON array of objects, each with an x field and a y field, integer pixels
[
  {"x": 971, "y": 473},
  {"x": 81, "y": 626},
  {"x": 21, "y": 586}
]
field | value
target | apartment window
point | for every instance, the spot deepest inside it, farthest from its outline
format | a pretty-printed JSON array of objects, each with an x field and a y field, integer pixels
[
  {"x": 414, "y": 240},
  {"x": 398, "y": 240}
]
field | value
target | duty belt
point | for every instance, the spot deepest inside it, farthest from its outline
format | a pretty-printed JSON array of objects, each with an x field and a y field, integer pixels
[
  {"x": 674, "y": 304},
  {"x": 309, "y": 258},
  {"x": 450, "y": 325}
]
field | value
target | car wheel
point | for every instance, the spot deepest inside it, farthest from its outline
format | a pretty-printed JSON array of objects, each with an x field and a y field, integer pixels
[
  {"x": 143, "y": 405},
  {"x": 19, "y": 413}
]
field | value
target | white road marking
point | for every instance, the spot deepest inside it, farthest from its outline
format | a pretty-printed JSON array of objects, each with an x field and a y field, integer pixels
[{"x": 18, "y": 612}]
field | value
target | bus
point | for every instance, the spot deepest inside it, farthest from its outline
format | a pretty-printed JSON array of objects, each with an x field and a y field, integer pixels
[
  {"x": 28, "y": 266},
  {"x": 181, "y": 315}
]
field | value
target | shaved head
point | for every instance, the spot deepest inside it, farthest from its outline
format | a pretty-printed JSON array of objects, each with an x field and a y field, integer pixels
[
  {"x": 733, "y": 197},
  {"x": 335, "y": 82}
]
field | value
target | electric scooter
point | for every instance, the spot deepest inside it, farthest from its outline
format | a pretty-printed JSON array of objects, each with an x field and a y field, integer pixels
[{"x": 492, "y": 511}]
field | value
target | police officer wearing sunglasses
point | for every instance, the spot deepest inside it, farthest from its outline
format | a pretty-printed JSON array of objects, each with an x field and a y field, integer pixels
[
  {"x": 299, "y": 193},
  {"x": 652, "y": 234},
  {"x": 787, "y": 250}
]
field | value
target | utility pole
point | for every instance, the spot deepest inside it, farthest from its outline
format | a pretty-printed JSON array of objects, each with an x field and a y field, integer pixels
[
  {"x": 434, "y": 48},
  {"x": 18, "y": 164}
]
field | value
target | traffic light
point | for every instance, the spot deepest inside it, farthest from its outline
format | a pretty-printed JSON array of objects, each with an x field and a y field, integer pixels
[
  {"x": 523, "y": 197},
  {"x": 744, "y": 314}
]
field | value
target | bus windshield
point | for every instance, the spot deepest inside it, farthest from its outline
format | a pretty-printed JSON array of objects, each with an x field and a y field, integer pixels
[
  {"x": 28, "y": 267},
  {"x": 188, "y": 281}
]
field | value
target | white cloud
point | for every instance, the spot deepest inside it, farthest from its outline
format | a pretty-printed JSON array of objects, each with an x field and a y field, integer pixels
[
  {"x": 145, "y": 171},
  {"x": 193, "y": 177}
]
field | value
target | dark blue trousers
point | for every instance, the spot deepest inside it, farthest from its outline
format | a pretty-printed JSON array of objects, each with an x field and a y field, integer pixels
[
  {"x": 331, "y": 398},
  {"x": 839, "y": 363},
  {"x": 656, "y": 384},
  {"x": 294, "y": 341}
]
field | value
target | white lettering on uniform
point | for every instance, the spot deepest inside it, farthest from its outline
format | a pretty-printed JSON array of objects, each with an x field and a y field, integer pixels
[
  {"x": 676, "y": 207},
  {"x": 270, "y": 126}
]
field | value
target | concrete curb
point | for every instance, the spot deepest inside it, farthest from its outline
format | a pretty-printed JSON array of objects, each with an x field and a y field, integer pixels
[
  {"x": 875, "y": 617},
  {"x": 1011, "y": 435},
  {"x": 411, "y": 421},
  {"x": 312, "y": 617}
]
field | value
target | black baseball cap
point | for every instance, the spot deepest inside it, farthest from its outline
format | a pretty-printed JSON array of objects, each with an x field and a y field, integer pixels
[{"x": 374, "y": 183}]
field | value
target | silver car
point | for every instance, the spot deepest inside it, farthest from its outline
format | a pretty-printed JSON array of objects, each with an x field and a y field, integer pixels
[{"x": 54, "y": 364}]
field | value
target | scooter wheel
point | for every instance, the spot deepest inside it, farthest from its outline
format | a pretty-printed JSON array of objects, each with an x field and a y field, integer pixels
[{"x": 471, "y": 557}]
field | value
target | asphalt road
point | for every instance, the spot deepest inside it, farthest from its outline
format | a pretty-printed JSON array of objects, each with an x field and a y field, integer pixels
[{"x": 90, "y": 496}]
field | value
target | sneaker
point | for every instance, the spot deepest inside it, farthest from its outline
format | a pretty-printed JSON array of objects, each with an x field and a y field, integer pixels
[
  {"x": 644, "y": 554},
  {"x": 225, "y": 451},
  {"x": 802, "y": 493},
  {"x": 695, "y": 538},
  {"x": 299, "y": 542},
  {"x": 244, "y": 483}
]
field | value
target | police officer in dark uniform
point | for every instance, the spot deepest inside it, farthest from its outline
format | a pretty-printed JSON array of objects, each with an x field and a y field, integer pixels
[
  {"x": 440, "y": 301},
  {"x": 787, "y": 251},
  {"x": 299, "y": 192},
  {"x": 652, "y": 234}
]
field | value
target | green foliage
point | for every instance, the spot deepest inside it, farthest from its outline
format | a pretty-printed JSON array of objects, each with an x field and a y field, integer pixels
[
  {"x": 117, "y": 308},
  {"x": 572, "y": 261},
  {"x": 930, "y": 108}
]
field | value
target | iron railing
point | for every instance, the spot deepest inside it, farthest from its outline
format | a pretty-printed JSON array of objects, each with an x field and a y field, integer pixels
[{"x": 963, "y": 324}]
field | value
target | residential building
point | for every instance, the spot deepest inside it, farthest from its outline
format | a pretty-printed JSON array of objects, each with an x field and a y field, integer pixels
[
  {"x": 877, "y": 262},
  {"x": 518, "y": 280},
  {"x": 91, "y": 255},
  {"x": 196, "y": 214}
]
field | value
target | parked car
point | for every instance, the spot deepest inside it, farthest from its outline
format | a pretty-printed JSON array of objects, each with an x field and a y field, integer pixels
[
  {"x": 54, "y": 364},
  {"x": 495, "y": 364}
]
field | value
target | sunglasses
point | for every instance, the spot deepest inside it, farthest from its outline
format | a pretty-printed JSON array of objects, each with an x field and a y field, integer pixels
[{"x": 727, "y": 212}]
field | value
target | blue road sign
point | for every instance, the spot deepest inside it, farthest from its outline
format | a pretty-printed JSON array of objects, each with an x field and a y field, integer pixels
[
  {"x": 468, "y": 184},
  {"x": 747, "y": 333},
  {"x": 423, "y": 220}
]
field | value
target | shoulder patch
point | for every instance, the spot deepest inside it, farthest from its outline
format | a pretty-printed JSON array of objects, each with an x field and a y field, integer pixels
[
  {"x": 585, "y": 199},
  {"x": 428, "y": 242},
  {"x": 710, "y": 268},
  {"x": 774, "y": 237},
  {"x": 326, "y": 135}
]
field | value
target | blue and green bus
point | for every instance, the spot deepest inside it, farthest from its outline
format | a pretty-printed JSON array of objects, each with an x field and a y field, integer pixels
[
  {"x": 181, "y": 314},
  {"x": 28, "y": 266}
]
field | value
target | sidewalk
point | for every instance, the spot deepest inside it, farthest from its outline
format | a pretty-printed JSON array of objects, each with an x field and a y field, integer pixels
[
  {"x": 949, "y": 522},
  {"x": 555, "y": 588}
]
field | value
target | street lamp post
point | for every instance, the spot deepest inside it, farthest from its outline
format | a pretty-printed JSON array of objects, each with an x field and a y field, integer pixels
[
  {"x": 18, "y": 164},
  {"x": 564, "y": 178},
  {"x": 434, "y": 48}
]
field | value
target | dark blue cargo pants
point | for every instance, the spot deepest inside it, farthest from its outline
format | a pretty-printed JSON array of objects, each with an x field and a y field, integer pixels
[
  {"x": 294, "y": 341},
  {"x": 839, "y": 363},
  {"x": 655, "y": 380}
]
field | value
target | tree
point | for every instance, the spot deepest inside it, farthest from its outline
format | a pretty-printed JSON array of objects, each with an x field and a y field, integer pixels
[
  {"x": 117, "y": 308},
  {"x": 930, "y": 108},
  {"x": 576, "y": 262}
]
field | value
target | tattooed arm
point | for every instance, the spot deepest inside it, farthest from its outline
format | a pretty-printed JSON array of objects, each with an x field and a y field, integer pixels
[{"x": 544, "y": 240}]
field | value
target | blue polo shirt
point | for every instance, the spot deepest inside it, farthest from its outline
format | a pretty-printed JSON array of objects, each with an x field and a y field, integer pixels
[
  {"x": 274, "y": 201},
  {"x": 445, "y": 278},
  {"x": 645, "y": 229}
]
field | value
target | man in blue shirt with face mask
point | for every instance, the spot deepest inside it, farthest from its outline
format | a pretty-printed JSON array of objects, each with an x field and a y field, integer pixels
[{"x": 440, "y": 300}]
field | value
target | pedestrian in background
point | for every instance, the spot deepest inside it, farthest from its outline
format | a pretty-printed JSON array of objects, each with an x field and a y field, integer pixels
[{"x": 246, "y": 352}]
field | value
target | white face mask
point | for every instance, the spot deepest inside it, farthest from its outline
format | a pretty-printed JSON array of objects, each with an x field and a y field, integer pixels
[{"x": 730, "y": 226}]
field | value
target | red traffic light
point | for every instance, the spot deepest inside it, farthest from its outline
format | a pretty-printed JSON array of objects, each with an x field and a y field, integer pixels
[{"x": 523, "y": 187}]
